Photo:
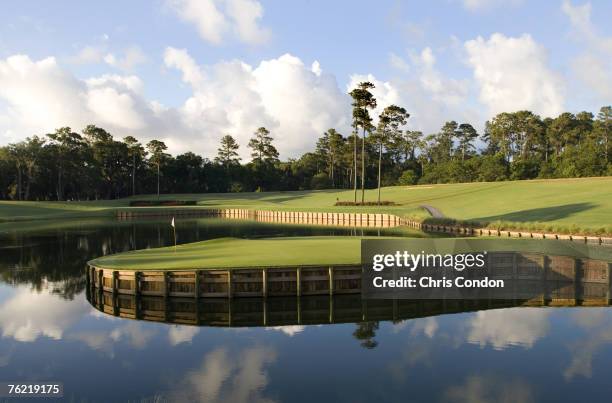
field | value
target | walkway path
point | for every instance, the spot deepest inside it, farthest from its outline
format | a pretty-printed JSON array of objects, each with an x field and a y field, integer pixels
[{"x": 432, "y": 210}]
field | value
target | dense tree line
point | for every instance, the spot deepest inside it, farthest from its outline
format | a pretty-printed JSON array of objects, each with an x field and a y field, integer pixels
[{"x": 93, "y": 164}]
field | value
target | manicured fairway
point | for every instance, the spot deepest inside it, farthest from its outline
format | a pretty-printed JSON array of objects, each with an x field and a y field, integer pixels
[
  {"x": 565, "y": 205},
  {"x": 309, "y": 251}
]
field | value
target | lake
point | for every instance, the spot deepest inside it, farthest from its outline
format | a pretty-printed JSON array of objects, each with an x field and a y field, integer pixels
[{"x": 308, "y": 349}]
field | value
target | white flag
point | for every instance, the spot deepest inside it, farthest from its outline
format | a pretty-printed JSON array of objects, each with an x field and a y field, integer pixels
[{"x": 172, "y": 223}]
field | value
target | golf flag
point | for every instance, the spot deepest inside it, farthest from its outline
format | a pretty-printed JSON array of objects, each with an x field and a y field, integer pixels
[{"x": 174, "y": 232}]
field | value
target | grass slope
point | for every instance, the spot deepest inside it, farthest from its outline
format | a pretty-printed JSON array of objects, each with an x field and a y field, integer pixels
[
  {"x": 308, "y": 251},
  {"x": 584, "y": 204}
]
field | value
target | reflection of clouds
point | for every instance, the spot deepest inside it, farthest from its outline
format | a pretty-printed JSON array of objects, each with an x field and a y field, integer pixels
[
  {"x": 427, "y": 326},
  {"x": 485, "y": 389},
  {"x": 135, "y": 334},
  {"x": 27, "y": 315},
  {"x": 178, "y": 334},
  {"x": 508, "y": 327},
  {"x": 597, "y": 322},
  {"x": 228, "y": 377},
  {"x": 288, "y": 330}
]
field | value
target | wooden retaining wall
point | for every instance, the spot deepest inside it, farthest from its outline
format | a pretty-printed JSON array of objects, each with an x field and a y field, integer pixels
[
  {"x": 563, "y": 277},
  {"x": 248, "y": 282},
  {"x": 358, "y": 220}
]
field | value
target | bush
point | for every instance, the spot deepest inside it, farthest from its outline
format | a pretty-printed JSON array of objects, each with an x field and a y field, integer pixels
[
  {"x": 350, "y": 203},
  {"x": 151, "y": 203},
  {"x": 409, "y": 177}
]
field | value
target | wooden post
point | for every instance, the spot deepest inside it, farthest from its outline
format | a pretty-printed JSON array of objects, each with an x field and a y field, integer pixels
[
  {"x": 229, "y": 284},
  {"x": 298, "y": 281},
  {"x": 115, "y": 282},
  {"x": 196, "y": 291},
  {"x": 264, "y": 283},
  {"x": 331, "y": 280},
  {"x": 166, "y": 285},
  {"x": 137, "y": 283}
]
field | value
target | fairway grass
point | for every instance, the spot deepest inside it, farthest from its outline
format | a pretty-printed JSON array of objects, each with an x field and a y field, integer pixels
[
  {"x": 580, "y": 205},
  {"x": 318, "y": 251}
]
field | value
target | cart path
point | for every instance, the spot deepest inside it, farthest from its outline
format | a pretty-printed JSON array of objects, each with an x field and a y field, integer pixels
[{"x": 432, "y": 210}]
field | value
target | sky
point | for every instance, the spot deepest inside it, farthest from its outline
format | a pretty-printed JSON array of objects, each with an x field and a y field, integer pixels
[{"x": 188, "y": 72}]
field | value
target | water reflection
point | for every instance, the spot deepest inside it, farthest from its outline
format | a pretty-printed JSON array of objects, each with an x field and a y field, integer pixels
[{"x": 283, "y": 349}]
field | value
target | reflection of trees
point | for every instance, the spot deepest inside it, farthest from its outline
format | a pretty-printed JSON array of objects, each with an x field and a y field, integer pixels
[
  {"x": 57, "y": 251},
  {"x": 366, "y": 331}
]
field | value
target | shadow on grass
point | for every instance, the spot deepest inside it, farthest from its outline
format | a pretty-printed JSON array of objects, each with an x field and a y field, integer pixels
[{"x": 540, "y": 214}]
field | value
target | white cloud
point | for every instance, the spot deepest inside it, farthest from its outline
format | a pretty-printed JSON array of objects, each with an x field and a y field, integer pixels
[
  {"x": 479, "y": 5},
  {"x": 430, "y": 97},
  {"x": 132, "y": 57},
  {"x": 512, "y": 75},
  {"x": 296, "y": 104},
  {"x": 215, "y": 19},
  {"x": 288, "y": 330},
  {"x": 502, "y": 328},
  {"x": 41, "y": 96},
  {"x": 89, "y": 54},
  {"x": 239, "y": 376},
  {"x": 593, "y": 66},
  {"x": 23, "y": 318},
  {"x": 178, "y": 334}
]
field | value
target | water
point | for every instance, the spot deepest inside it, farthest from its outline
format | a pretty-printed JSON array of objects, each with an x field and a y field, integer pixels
[{"x": 342, "y": 349}]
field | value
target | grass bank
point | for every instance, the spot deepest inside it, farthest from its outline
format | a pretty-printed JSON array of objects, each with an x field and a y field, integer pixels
[
  {"x": 314, "y": 251},
  {"x": 582, "y": 205}
]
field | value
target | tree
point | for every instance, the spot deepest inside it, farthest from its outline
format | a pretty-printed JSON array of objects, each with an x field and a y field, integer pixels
[
  {"x": 67, "y": 146},
  {"x": 466, "y": 134},
  {"x": 389, "y": 123},
  {"x": 603, "y": 131},
  {"x": 329, "y": 147},
  {"x": 263, "y": 150},
  {"x": 137, "y": 154},
  {"x": 156, "y": 148},
  {"x": 362, "y": 101},
  {"x": 227, "y": 153}
]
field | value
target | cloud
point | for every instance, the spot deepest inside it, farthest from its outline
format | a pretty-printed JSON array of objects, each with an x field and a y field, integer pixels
[
  {"x": 288, "y": 330},
  {"x": 486, "y": 388},
  {"x": 214, "y": 20},
  {"x": 430, "y": 97},
  {"x": 182, "y": 334},
  {"x": 126, "y": 60},
  {"x": 132, "y": 57},
  {"x": 237, "y": 377},
  {"x": 593, "y": 66},
  {"x": 23, "y": 318},
  {"x": 502, "y": 328},
  {"x": 479, "y": 5},
  {"x": 512, "y": 74},
  {"x": 294, "y": 102},
  {"x": 41, "y": 96}
]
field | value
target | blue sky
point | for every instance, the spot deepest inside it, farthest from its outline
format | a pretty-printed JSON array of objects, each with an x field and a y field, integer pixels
[{"x": 189, "y": 71}]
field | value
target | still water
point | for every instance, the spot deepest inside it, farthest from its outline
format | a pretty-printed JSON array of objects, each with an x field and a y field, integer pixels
[{"x": 489, "y": 351}]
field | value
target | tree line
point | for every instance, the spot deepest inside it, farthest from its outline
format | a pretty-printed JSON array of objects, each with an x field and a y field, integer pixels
[{"x": 93, "y": 164}]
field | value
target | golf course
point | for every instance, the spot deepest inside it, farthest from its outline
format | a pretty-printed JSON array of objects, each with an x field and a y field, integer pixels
[{"x": 569, "y": 206}]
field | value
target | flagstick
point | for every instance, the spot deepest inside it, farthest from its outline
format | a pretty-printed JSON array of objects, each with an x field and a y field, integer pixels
[{"x": 174, "y": 232}]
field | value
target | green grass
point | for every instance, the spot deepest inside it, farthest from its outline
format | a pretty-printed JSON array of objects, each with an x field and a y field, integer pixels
[
  {"x": 309, "y": 251},
  {"x": 233, "y": 252},
  {"x": 581, "y": 205}
]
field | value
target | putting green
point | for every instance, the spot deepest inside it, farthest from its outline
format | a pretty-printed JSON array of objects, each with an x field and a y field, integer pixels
[{"x": 309, "y": 251}]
